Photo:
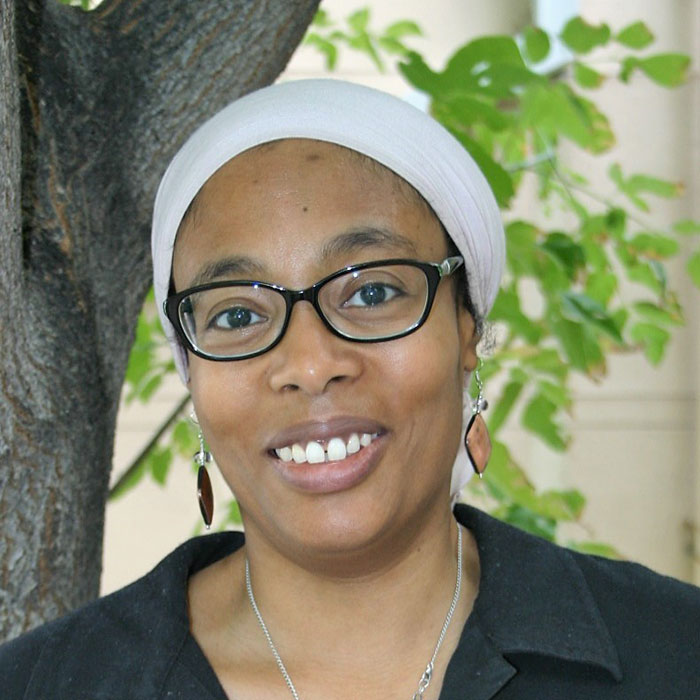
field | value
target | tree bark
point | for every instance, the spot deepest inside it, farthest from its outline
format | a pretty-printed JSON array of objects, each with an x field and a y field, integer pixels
[{"x": 93, "y": 105}]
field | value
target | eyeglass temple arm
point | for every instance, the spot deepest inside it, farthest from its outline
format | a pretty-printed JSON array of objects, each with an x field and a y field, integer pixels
[{"x": 449, "y": 265}]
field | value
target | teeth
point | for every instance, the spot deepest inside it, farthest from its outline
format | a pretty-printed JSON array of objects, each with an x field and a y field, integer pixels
[
  {"x": 336, "y": 450},
  {"x": 353, "y": 444},
  {"x": 314, "y": 453},
  {"x": 285, "y": 454}
]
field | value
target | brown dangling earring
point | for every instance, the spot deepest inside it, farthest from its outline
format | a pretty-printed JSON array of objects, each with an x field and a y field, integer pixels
[
  {"x": 205, "y": 495},
  {"x": 476, "y": 437}
]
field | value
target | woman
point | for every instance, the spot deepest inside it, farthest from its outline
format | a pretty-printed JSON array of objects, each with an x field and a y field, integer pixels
[{"x": 325, "y": 255}]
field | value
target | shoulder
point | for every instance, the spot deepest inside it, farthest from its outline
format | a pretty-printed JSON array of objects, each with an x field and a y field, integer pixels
[
  {"x": 632, "y": 597},
  {"x": 550, "y": 604},
  {"x": 615, "y": 585},
  {"x": 120, "y": 641},
  {"x": 78, "y": 643}
]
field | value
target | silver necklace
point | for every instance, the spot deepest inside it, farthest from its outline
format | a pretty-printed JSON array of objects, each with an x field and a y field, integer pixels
[{"x": 427, "y": 674}]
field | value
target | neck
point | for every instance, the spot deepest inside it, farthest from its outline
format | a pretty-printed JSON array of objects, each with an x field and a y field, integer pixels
[{"x": 392, "y": 611}]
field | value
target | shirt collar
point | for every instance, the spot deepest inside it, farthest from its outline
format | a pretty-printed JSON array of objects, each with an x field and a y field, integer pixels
[{"x": 533, "y": 597}]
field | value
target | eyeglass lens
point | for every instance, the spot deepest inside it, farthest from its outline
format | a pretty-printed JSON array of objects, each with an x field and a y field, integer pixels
[{"x": 366, "y": 304}]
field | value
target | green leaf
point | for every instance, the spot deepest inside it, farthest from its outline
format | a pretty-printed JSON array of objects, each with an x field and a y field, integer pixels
[
  {"x": 548, "y": 361},
  {"x": 601, "y": 286},
  {"x": 393, "y": 46},
  {"x": 465, "y": 110},
  {"x": 509, "y": 486},
  {"x": 321, "y": 19},
  {"x": 500, "y": 181},
  {"x": 185, "y": 438},
  {"x": 504, "y": 406},
  {"x": 638, "y": 183},
  {"x": 667, "y": 69},
  {"x": 363, "y": 43},
  {"x": 159, "y": 461},
  {"x": 536, "y": 44},
  {"x": 654, "y": 185},
  {"x": 325, "y": 47},
  {"x": 580, "y": 307},
  {"x": 635, "y": 36},
  {"x": 521, "y": 247},
  {"x": 418, "y": 74},
  {"x": 598, "y": 549},
  {"x": 652, "y": 338},
  {"x": 553, "y": 110},
  {"x": 602, "y": 136},
  {"x": 586, "y": 77},
  {"x": 148, "y": 388},
  {"x": 582, "y": 37},
  {"x": 646, "y": 273},
  {"x": 490, "y": 66},
  {"x": 654, "y": 245},
  {"x": 693, "y": 268},
  {"x": 580, "y": 348},
  {"x": 527, "y": 520},
  {"x": 566, "y": 251},
  {"x": 537, "y": 418},
  {"x": 658, "y": 315},
  {"x": 359, "y": 20},
  {"x": 686, "y": 227},
  {"x": 474, "y": 57},
  {"x": 402, "y": 28},
  {"x": 558, "y": 394},
  {"x": 507, "y": 308}
]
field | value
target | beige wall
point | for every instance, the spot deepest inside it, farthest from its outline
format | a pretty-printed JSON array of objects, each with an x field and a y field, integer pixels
[{"x": 636, "y": 447}]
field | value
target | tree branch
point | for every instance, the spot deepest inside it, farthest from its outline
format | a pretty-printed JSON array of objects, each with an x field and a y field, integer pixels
[{"x": 118, "y": 487}]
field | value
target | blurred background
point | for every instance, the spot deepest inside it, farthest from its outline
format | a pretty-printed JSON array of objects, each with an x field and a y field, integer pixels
[{"x": 635, "y": 449}]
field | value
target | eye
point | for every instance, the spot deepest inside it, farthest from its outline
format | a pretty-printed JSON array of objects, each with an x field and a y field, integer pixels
[
  {"x": 235, "y": 317},
  {"x": 373, "y": 294}
]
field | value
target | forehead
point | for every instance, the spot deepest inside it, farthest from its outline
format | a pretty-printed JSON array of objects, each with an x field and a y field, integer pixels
[
  {"x": 290, "y": 195},
  {"x": 295, "y": 153}
]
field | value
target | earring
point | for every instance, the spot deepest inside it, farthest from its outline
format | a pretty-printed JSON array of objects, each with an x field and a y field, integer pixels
[
  {"x": 205, "y": 495},
  {"x": 476, "y": 437}
]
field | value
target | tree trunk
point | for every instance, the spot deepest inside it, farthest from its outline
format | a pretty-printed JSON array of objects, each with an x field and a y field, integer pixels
[{"x": 93, "y": 105}]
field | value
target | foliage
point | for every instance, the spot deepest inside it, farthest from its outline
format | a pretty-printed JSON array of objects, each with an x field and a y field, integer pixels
[
  {"x": 326, "y": 36},
  {"x": 86, "y": 5},
  {"x": 561, "y": 310}
]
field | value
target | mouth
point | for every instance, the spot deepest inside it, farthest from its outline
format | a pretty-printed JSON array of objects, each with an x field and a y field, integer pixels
[
  {"x": 336, "y": 449},
  {"x": 328, "y": 456}
]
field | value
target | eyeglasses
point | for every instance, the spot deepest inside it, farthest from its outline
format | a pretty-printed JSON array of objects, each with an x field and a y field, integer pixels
[{"x": 367, "y": 303}]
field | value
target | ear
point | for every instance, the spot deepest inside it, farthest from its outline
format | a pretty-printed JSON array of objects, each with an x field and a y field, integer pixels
[{"x": 468, "y": 340}]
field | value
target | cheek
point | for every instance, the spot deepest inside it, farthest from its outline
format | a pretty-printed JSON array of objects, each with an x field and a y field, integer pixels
[
  {"x": 224, "y": 398},
  {"x": 425, "y": 371}
]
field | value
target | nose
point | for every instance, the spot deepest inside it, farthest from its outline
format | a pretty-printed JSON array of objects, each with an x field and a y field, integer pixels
[{"x": 310, "y": 358}]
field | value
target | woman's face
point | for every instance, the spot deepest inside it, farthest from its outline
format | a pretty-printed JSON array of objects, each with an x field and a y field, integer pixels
[{"x": 297, "y": 210}]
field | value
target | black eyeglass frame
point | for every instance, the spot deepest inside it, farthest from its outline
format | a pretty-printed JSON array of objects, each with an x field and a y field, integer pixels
[{"x": 434, "y": 273}]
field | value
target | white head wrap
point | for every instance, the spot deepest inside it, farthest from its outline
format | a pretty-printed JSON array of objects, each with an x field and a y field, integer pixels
[{"x": 378, "y": 125}]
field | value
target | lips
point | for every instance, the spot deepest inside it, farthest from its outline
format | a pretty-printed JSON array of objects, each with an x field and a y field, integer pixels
[
  {"x": 322, "y": 431},
  {"x": 329, "y": 455}
]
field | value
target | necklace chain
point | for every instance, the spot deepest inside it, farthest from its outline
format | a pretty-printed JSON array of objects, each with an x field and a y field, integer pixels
[{"x": 427, "y": 674}]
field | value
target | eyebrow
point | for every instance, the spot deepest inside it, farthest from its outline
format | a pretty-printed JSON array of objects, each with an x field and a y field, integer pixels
[
  {"x": 358, "y": 239},
  {"x": 345, "y": 243},
  {"x": 231, "y": 266}
]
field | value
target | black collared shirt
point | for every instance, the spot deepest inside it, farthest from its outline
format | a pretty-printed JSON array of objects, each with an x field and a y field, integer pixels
[{"x": 547, "y": 624}]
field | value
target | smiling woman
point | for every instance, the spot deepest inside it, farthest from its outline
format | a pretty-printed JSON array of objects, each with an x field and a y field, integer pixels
[{"x": 324, "y": 256}]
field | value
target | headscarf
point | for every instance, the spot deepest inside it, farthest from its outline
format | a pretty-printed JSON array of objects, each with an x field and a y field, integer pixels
[{"x": 388, "y": 130}]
